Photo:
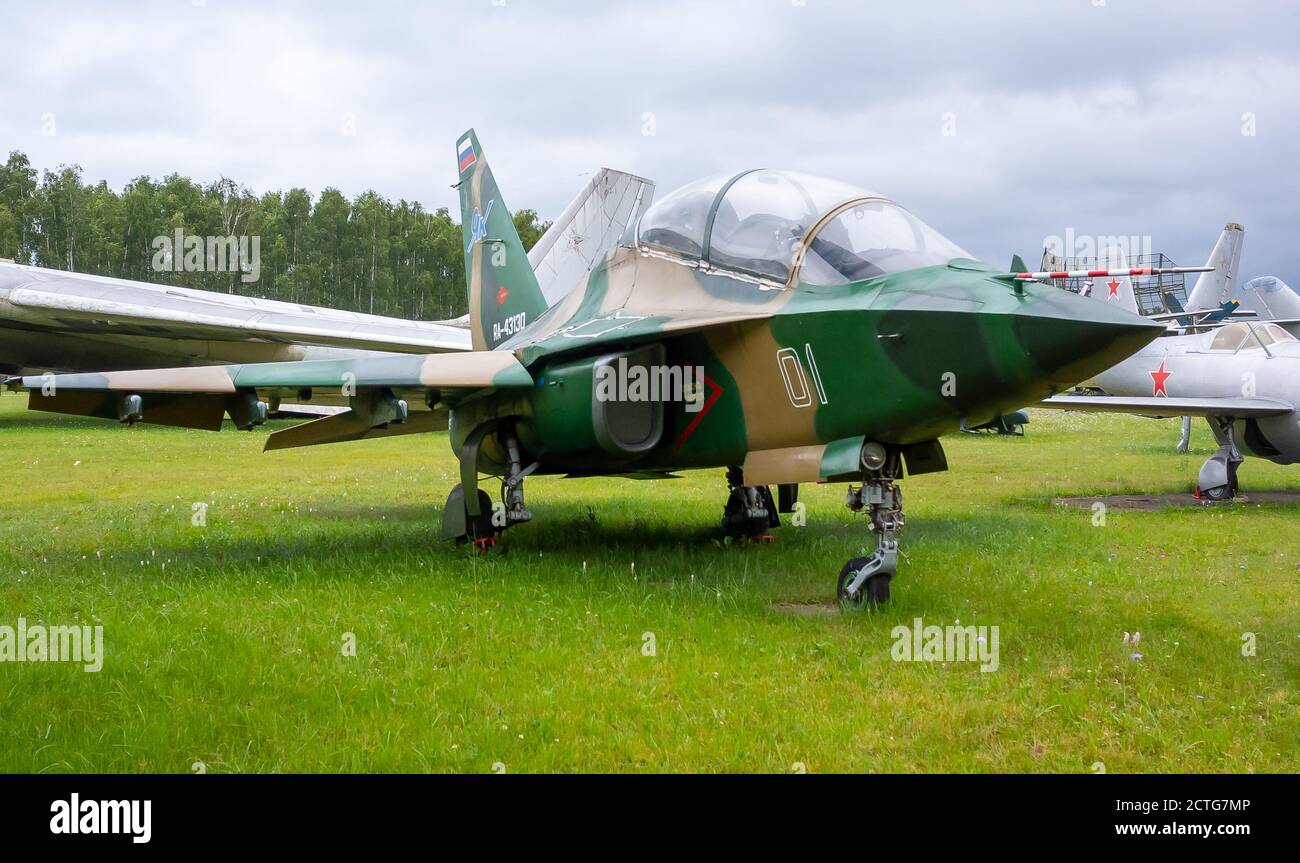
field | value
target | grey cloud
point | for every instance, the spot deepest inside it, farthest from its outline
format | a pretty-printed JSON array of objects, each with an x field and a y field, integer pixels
[{"x": 1119, "y": 119}]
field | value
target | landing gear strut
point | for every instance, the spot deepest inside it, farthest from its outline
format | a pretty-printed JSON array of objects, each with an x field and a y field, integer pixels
[
  {"x": 1217, "y": 479},
  {"x": 864, "y": 581},
  {"x": 473, "y": 517},
  {"x": 750, "y": 510},
  {"x": 1185, "y": 439},
  {"x": 512, "y": 486}
]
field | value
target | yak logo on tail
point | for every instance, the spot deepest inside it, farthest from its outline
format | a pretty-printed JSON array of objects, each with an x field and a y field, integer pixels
[{"x": 478, "y": 223}]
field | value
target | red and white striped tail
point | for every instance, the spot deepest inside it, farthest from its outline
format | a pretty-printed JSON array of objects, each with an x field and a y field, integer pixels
[{"x": 1096, "y": 274}]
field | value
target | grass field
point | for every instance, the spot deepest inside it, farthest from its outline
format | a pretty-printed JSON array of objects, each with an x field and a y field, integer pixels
[{"x": 224, "y": 643}]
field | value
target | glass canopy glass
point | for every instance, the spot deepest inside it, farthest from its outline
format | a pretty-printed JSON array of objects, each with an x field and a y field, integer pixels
[
  {"x": 755, "y": 223},
  {"x": 1243, "y": 336}
]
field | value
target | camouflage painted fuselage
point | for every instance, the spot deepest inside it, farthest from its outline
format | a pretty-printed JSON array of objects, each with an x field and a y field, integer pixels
[{"x": 792, "y": 370}]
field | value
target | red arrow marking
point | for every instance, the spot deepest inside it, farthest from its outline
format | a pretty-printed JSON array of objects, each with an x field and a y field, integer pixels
[{"x": 714, "y": 392}]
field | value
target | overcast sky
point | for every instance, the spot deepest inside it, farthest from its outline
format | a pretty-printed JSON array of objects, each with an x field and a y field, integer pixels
[{"x": 1110, "y": 117}]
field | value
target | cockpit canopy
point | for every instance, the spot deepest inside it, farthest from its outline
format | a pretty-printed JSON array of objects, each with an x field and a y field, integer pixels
[
  {"x": 755, "y": 223},
  {"x": 1244, "y": 336}
]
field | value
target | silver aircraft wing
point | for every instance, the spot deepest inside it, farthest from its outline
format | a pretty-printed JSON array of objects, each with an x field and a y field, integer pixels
[
  {"x": 1161, "y": 407},
  {"x": 41, "y": 299}
]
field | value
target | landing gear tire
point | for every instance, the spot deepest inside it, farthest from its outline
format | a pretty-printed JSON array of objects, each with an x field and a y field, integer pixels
[
  {"x": 1218, "y": 493},
  {"x": 750, "y": 511},
  {"x": 478, "y": 529},
  {"x": 1217, "y": 480},
  {"x": 873, "y": 592},
  {"x": 1221, "y": 466}
]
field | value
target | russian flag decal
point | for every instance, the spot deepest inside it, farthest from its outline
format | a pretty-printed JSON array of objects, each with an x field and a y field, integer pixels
[{"x": 465, "y": 153}]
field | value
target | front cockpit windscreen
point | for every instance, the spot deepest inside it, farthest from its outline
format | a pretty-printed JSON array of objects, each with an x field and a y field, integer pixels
[{"x": 870, "y": 239}]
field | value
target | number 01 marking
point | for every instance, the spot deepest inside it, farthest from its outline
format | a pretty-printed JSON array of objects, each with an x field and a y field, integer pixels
[{"x": 796, "y": 382}]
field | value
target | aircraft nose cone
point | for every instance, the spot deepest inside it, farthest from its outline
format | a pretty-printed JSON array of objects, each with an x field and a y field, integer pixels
[{"x": 1071, "y": 338}]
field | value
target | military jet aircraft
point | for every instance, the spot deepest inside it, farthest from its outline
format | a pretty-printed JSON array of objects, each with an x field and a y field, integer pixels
[
  {"x": 1243, "y": 377},
  {"x": 788, "y": 328}
]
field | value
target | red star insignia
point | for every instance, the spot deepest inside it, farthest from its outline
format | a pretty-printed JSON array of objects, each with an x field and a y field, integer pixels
[
  {"x": 1114, "y": 288},
  {"x": 1158, "y": 378},
  {"x": 502, "y": 295}
]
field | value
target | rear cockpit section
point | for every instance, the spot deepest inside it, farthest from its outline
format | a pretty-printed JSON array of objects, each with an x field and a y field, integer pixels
[{"x": 781, "y": 226}]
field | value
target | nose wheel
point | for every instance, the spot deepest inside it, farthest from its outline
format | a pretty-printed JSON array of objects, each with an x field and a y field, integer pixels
[{"x": 863, "y": 583}]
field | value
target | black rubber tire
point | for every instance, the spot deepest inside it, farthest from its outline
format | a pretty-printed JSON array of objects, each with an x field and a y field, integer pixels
[
  {"x": 481, "y": 527},
  {"x": 773, "y": 518},
  {"x": 874, "y": 593},
  {"x": 740, "y": 527},
  {"x": 1218, "y": 493}
]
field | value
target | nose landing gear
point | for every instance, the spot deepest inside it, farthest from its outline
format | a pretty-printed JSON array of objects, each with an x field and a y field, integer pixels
[{"x": 864, "y": 581}]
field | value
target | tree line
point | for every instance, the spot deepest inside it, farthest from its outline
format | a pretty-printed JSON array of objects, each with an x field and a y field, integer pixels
[{"x": 366, "y": 254}]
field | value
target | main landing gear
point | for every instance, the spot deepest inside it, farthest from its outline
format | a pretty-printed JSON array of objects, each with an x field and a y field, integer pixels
[
  {"x": 750, "y": 511},
  {"x": 1185, "y": 437},
  {"x": 1217, "y": 479},
  {"x": 475, "y": 518},
  {"x": 864, "y": 581}
]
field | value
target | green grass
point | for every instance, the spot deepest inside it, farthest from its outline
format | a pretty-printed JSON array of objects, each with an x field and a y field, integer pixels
[{"x": 223, "y": 642}]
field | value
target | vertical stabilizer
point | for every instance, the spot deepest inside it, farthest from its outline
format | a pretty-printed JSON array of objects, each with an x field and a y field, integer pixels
[
  {"x": 504, "y": 296},
  {"x": 1214, "y": 289},
  {"x": 1115, "y": 290}
]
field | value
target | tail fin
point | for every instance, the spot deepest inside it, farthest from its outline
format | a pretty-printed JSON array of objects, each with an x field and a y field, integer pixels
[
  {"x": 1216, "y": 288},
  {"x": 1116, "y": 290},
  {"x": 1173, "y": 306},
  {"x": 504, "y": 296},
  {"x": 1018, "y": 264}
]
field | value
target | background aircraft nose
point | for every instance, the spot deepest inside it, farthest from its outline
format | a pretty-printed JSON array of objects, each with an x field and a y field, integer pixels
[{"x": 1071, "y": 338}]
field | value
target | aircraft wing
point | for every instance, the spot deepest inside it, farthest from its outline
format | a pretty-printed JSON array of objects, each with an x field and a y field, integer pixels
[
  {"x": 1160, "y": 407},
  {"x": 40, "y": 298},
  {"x": 386, "y": 395}
]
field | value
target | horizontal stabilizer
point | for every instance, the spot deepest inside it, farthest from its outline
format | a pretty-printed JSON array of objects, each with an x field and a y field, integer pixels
[{"x": 352, "y": 425}]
